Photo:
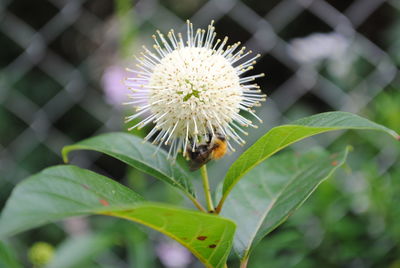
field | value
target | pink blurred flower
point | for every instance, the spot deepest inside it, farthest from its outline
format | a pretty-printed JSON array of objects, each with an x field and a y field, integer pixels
[
  {"x": 116, "y": 92},
  {"x": 173, "y": 255},
  {"x": 116, "y": 88}
]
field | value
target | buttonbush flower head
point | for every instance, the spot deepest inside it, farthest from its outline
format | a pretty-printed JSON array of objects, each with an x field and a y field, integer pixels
[{"x": 193, "y": 87}]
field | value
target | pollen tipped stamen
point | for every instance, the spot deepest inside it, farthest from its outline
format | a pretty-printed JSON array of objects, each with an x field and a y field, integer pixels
[
  {"x": 137, "y": 72},
  {"x": 171, "y": 133},
  {"x": 250, "y": 78},
  {"x": 239, "y": 128},
  {"x": 132, "y": 117},
  {"x": 142, "y": 123},
  {"x": 151, "y": 134}
]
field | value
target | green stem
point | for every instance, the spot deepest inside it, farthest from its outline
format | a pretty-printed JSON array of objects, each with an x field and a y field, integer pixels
[
  {"x": 243, "y": 263},
  {"x": 207, "y": 190},
  {"x": 197, "y": 204}
]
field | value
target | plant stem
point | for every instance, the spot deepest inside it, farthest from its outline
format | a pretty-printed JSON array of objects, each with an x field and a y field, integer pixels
[
  {"x": 219, "y": 206},
  {"x": 207, "y": 190},
  {"x": 243, "y": 263},
  {"x": 197, "y": 204}
]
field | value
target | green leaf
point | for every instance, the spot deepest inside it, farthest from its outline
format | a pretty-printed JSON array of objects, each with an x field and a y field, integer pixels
[
  {"x": 139, "y": 247},
  {"x": 282, "y": 136},
  {"x": 208, "y": 237},
  {"x": 132, "y": 151},
  {"x": 64, "y": 191},
  {"x": 60, "y": 192},
  {"x": 7, "y": 257},
  {"x": 271, "y": 192},
  {"x": 75, "y": 251}
]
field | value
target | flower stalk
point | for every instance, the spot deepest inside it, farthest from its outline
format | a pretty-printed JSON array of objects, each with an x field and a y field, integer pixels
[{"x": 207, "y": 190}]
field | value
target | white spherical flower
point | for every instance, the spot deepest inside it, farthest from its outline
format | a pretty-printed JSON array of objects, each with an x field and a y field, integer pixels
[{"x": 193, "y": 90}]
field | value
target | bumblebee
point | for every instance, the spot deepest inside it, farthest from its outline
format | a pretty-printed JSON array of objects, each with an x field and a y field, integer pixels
[{"x": 214, "y": 148}]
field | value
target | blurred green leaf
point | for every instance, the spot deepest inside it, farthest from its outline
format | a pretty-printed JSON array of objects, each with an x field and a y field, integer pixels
[
  {"x": 132, "y": 151},
  {"x": 271, "y": 192},
  {"x": 139, "y": 247},
  {"x": 386, "y": 108},
  {"x": 282, "y": 136},
  {"x": 127, "y": 26},
  {"x": 75, "y": 251},
  {"x": 7, "y": 257},
  {"x": 65, "y": 191}
]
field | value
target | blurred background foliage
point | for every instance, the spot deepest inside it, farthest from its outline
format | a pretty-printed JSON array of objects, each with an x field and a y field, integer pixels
[{"x": 61, "y": 66}]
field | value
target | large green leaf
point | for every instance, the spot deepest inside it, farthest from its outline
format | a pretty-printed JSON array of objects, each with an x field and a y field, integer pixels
[
  {"x": 208, "y": 237},
  {"x": 64, "y": 191},
  {"x": 131, "y": 150},
  {"x": 274, "y": 190},
  {"x": 282, "y": 136},
  {"x": 59, "y": 192}
]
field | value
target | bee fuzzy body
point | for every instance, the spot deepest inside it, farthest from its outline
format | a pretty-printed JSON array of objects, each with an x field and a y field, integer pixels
[
  {"x": 214, "y": 148},
  {"x": 219, "y": 148}
]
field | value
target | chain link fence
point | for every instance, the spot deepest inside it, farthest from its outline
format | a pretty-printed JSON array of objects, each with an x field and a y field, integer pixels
[{"x": 54, "y": 52}]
